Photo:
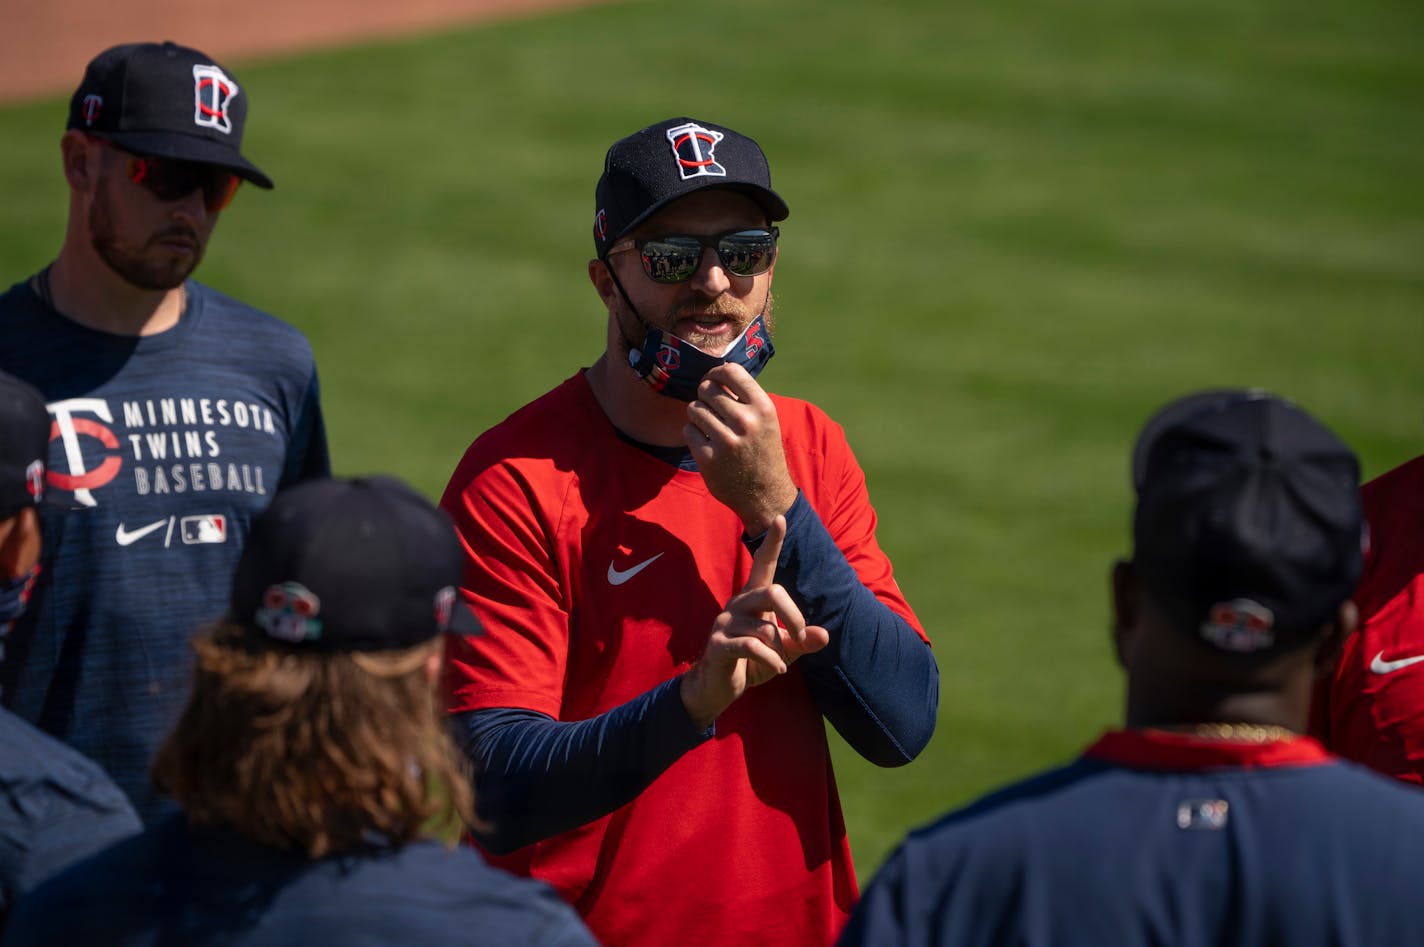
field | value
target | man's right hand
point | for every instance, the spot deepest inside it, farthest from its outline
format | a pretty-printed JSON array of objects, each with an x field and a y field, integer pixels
[{"x": 755, "y": 638}]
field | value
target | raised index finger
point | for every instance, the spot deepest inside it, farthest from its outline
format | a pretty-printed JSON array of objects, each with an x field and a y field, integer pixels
[{"x": 763, "y": 572}]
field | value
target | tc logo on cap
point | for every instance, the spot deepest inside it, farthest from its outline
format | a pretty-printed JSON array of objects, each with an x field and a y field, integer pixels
[
  {"x": 693, "y": 146},
  {"x": 93, "y": 105},
  {"x": 444, "y": 606},
  {"x": 34, "y": 479},
  {"x": 213, "y": 92}
]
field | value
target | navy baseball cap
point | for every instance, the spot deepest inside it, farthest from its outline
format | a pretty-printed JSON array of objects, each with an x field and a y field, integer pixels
[
  {"x": 167, "y": 101},
  {"x": 1248, "y": 530},
  {"x": 24, "y": 445},
  {"x": 365, "y": 564},
  {"x": 655, "y": 166}
]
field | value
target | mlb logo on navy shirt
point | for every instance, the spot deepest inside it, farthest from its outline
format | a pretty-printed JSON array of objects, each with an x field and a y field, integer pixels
[
  {"x": 211, "y": 528},
  {"x": 1210, "y": 814}
]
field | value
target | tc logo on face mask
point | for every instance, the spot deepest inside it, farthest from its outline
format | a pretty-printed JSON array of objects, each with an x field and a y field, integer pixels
[
  {"x": 674, "y": 367},
  {"x": 669, "y": 355}
]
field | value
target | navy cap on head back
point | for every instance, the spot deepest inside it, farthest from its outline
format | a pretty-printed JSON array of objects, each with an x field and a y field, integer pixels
[
  {"x": 1248, "y": 530},
  {"x": 655, "y": 166},
  {"x": 24, "y": 445},
  {"x": 365, "y": 564},
  {"x": 168, "y": 101}
]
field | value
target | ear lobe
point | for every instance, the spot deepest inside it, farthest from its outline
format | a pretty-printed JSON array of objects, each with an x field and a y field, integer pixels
[
  {"x": 598, "y": 276},
  {"x": 602, "y": 280},
  {"x": 79, "y": 160},
  {"x": 434, "y": 665}
]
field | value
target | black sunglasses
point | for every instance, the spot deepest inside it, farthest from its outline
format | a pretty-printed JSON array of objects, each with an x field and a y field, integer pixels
[
  {"x": 170, "y": 179},
  {"x": 675, "y": 257}
]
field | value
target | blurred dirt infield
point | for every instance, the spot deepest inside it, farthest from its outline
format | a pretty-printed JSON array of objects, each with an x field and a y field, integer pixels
[{"x": 44, "y": 44}]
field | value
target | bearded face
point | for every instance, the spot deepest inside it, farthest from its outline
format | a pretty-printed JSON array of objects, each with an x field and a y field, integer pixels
[{"x": 159, "y": 259}]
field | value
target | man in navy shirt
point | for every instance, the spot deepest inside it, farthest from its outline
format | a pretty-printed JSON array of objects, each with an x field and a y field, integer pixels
[
  {"x": 312, "y": 764},
  {"x": 177, "y": 411},
  {"x": 1208, "y": 819},
  {"x": 55, "y": 805}
]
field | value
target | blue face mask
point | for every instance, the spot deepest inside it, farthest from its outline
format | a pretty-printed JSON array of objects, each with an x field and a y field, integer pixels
[{"x": 674, "y": 367}]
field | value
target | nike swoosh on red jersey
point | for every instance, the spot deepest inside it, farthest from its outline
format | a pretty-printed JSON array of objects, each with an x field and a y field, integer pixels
[
  {"x": 1380, "y": 666},
  {"x": 619, "y": 576}
]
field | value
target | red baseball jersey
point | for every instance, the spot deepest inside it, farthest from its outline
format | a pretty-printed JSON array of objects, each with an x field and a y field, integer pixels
[
  {"x": 1372, "y": 708},
  {"x": 597, "y": 571}
]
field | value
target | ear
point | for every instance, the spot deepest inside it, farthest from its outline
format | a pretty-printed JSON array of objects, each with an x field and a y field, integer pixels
[
  {"x": 81, "y": 160},
  {"x": 1346, "y": 620},
  {"x": 1125, "y": 608},
  {"x": 602, "y": 279},
  {"x": 20, "y": 540},
  {"x": 435, "y": 663}
]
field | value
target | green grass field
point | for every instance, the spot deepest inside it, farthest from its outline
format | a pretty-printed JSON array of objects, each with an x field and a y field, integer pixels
[{"x": 1017, "y": 228}]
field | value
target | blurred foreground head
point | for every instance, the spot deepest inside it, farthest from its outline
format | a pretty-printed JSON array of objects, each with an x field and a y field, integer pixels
[
  {"x": 24, "y": 446},
  {"x": 1248, "y": 540},
  {"x": 1248, "y": 528},
  {"x": 313, "y": 721}
]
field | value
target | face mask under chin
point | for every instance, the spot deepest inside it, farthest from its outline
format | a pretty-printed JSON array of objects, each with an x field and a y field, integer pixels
[{"x": 674, "y": 366}]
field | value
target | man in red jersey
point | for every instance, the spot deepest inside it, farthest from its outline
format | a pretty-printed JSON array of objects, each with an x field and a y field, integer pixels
[
  {"x": 1371, "y": 709},
  {"x": 679, "y": 578}
]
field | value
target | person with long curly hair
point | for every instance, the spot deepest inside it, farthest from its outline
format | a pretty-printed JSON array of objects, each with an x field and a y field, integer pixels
[{"x": 322, "y": 796}]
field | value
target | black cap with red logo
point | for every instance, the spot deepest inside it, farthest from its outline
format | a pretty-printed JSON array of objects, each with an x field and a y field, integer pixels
[
  {"x": 1248, "y": 532},
  {"x": 167, "y": 101},
  {"x": 365, "y": 564},
  {"x": 656, "y": 165},
  {"x": 24, "y": 445}
]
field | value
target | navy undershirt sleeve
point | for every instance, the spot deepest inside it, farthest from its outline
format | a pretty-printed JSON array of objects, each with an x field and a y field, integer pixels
[
  {"x": 536, "y": 777},
  {"x": 877, "y": 681}
]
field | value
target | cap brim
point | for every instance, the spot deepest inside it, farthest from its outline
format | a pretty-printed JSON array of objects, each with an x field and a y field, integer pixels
[
  {"x": 767, "y": 199},
  {"x": 189, "y": 148}
]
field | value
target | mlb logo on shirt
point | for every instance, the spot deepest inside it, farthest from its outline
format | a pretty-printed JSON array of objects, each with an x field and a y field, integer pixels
[
  {"x": 211, "y": 528},
  {"x": 1210, "y": 814}
]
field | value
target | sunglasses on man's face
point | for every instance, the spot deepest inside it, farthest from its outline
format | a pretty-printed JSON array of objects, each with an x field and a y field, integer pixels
[
  {"x": 170, "y": 179},
  {"x": 675, "y": 257}
]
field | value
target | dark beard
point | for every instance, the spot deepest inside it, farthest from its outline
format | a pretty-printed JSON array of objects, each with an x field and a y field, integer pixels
[{"x": 161, "y": 274}]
